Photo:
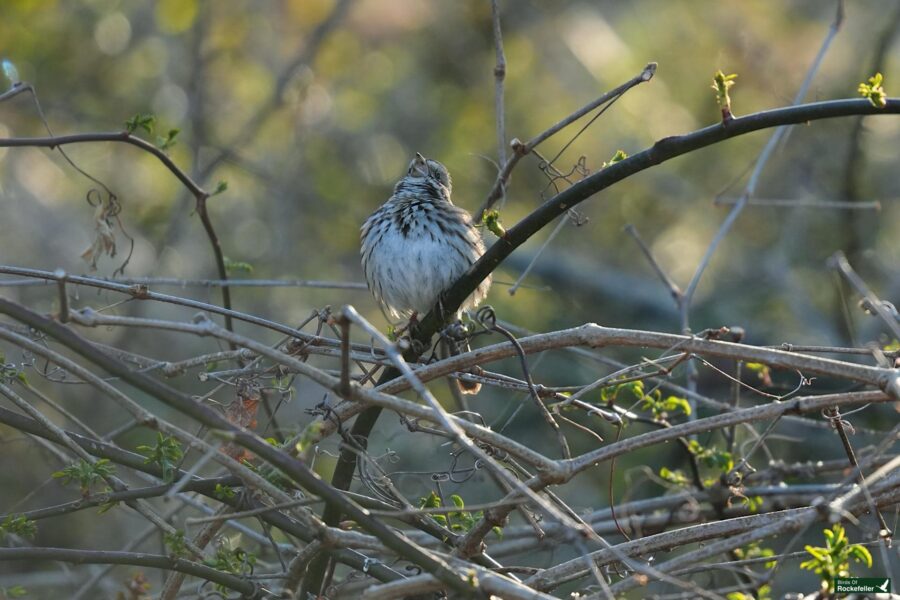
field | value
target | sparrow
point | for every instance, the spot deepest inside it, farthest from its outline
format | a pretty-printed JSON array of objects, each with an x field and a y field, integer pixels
[{"x": 418, "y": 243}]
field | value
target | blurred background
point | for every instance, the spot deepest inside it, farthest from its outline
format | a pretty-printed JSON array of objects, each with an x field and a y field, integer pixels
[{"x": 310, "y": 110}]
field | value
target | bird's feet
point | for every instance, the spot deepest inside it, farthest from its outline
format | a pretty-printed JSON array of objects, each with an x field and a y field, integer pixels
[{"x": 402, "y": 330}]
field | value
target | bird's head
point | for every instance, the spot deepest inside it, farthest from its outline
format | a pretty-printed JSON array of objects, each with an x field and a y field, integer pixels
[{"x": 429, "y": 169}]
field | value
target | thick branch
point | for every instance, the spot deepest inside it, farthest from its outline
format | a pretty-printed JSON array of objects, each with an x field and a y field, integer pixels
[{"x": 663, "y": 150}]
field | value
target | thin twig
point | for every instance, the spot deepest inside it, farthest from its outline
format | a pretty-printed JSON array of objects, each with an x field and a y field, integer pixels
[
  {"x": 116, "y": 136},
  {"x": 521, "y": 149},
  {"x": 499, "y": 76},
  {"x": 251, "y": 513},
  {"x": 139, "y": 292},
  {"x": 556, "y": 230},
  {"x": 141, "y": 506},
  {"x": 786, "y": 203},
  {"x": 840, "y": 426},
  {"x": 839, "y": 262},
  {"x": 207, "y": 283},
  {"x": 674, "y": 290}
]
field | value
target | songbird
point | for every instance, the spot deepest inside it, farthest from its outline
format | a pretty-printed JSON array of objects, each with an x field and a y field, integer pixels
[{"x": 418, "y": 243}]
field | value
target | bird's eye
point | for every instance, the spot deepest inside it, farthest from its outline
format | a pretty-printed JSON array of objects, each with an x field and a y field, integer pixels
[{"x": 439, "y": 172}]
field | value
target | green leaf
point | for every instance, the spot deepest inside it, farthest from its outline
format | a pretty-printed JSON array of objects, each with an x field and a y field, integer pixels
[
  {"x": 763, "y": 372},
  {"x": 430, "y": 501},
  {"x": 833, "y": 560},
  {"x": 85, "y": 473},
  {"x": 753, "y": 503},
  {"x": 817, "y": 553},
  {"x": 166, "y": 453},
  {"x": 175, "y": 543},
  {"x": 677, "y": 476},
  {"x": 141, "y": 121},
  {"x": 109, "y": 505},
  {"x": 874, "y": 91},
  {"x": 632, "y": 391},
  {"x": 676, "y": 404},
  {"x": 220, "y": 187},
  {"x": 236, "y": 561},
  {"x": 310, "y": 433},
  {"x": 491, "y": 220},
  {"x": 19, "y": 525},
  {"x": 809, "y": 565},
  {"x": 16, "y": 591},
  {"x": 472, "y": 578},
  {"x": 164, "y": 143},
  {"x": 224, "y": 492},
  {"x": 861, "y": 554},
  {"x": 619, "y": 156},
  {"x": 233, "y": 265},
  {"x": 721, "y": 84}
]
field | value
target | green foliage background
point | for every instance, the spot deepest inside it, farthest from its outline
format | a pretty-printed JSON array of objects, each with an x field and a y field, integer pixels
[{"x": 392, "y": 78}]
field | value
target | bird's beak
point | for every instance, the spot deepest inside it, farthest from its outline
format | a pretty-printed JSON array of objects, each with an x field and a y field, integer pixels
[{"x": 420, "y": 165}]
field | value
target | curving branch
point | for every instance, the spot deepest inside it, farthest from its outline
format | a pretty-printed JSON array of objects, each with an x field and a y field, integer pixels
[
  {"x": 123, "y": 137},
  {"x": 79, "y": 556},
  {"x": 662, "y": 151}
]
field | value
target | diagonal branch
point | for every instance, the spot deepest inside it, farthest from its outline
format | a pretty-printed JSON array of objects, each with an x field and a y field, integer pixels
[{"x": 663, "y": 150}]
